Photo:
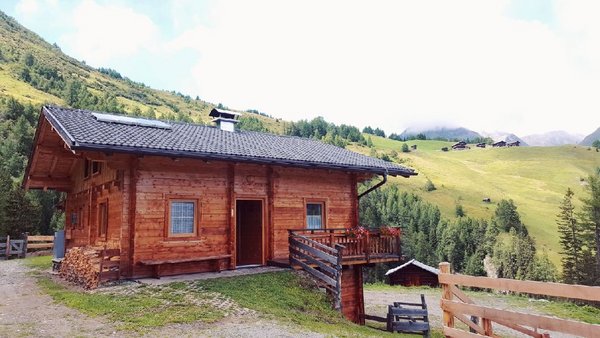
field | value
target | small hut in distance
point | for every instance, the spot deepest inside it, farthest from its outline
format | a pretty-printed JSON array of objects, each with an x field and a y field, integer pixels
[{"x": 413, "y": 273}]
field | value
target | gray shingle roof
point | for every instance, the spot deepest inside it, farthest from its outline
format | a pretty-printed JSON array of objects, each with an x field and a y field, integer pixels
[{"x": 81, "y": 130}]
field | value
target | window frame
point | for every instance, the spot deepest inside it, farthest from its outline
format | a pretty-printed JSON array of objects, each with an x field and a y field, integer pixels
[
  {"x": 95, "y": 168},
  {"x": 196, "y": 225},
  {"x": 102, "y": 225},
  {"x": 323, "y": 204}
]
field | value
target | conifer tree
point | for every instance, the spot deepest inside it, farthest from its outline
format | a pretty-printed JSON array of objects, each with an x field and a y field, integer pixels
[
  {"x": 591, "y": 221},
  {"x": 571, "y": 235}
]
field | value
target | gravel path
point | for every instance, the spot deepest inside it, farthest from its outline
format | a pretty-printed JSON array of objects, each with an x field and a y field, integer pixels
[{"x": 25, "y": 311}]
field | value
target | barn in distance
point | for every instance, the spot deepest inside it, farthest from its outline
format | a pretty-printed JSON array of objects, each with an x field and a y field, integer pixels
[
  {"x": 178, "y": 198},
  {"x": 413, "y": 273}
]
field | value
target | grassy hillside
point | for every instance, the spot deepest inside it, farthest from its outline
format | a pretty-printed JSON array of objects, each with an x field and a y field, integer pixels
[
  {"x": 34, "y": 71},
  {"x": 536, "y": 178}
]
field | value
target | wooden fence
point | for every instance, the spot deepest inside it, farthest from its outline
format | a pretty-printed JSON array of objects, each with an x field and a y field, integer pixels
[
  {"x": 465, "y": 310},
  {"x": 19, "y": 247}
]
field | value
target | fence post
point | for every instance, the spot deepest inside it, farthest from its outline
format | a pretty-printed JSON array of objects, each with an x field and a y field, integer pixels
[
  {"x": 7, "y": 247},
  {"x": 25, "y": 239},
  {"x": 448, "y": 319}
]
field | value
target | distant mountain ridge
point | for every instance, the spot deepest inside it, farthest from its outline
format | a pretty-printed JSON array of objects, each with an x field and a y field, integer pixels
[
  {"x": 553, "y": 138},
  {"x": 588, "y": 140},
  {"x": 445, "y": 133},
  {"x": 504, "y": 136}
]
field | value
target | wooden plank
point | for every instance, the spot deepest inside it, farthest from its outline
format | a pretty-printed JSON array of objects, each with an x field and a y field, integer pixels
[
  {"x": 589, "y": 293},
  {"x": 376, "y": 318},
  {"x": 469, "y": 323},
  {"x": 408, "y": 312},
  {"x": 311, "y": 260},
  {"x": 314, "y": 272},
  {"x": 408, "y": 326},
  {"x": 519, "y": 328},
  {"x": 535, "y": 321},
  {"x": 456, "y": 333},
  {"x": 40, "y": 245},
  {"x": 326, "y": 257},
  {"x": 183, "y": 260},
  {"x": 461, "y": 295},
  {"x": 40, "y": 238},
  {"x": 322, "y": 246}
]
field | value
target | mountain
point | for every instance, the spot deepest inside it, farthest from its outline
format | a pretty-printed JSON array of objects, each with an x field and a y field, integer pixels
[
  {"x": 37, "y": 72},
  {"x": 503, "y": 136},
  {"x": 588, "y": 140},
  {"x": 553, "y": 138},
  {"x": 444, "y": 133}
]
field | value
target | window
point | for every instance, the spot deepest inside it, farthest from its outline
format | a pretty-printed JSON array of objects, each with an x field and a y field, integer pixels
[
  {"x": 102, "y": 219},
  {"x": 96, "y": 167},
  {"x": 91, "y": 168},
  {"x": 314, "y": 215},
  {"x": 182, "y": 218},
  {"x": 74, "y": 219}
]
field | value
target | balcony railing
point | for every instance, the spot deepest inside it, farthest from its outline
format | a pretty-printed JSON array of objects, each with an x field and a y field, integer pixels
[{"x": 370, "y": 247}]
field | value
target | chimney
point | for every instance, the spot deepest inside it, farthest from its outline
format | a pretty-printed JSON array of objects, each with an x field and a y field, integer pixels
[{"x": 225, "y": 119}]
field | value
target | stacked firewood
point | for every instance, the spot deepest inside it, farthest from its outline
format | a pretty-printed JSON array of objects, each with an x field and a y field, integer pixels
[{"x": 81, "y": 266}]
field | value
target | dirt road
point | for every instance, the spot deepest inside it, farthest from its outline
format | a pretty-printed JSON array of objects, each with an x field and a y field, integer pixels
[{"x": 25, "y": 311}]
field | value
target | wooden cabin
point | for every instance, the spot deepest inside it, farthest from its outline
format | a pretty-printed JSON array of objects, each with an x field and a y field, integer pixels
[
  {"x": 513, "y": 144},
  {"x": 180, "y": 198},
  {"x": 481, "y": 145},
  {"x": 460, "y": 145},
  {"x": 413, "y": 273},
  {"x": 499, "y": 144}
]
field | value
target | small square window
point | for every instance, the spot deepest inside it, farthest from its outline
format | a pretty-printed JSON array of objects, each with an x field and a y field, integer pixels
[
  {"x": 96, "y": 167},
  {"x": 182, "y": 217},
  {"x": 314, "y": 215}
]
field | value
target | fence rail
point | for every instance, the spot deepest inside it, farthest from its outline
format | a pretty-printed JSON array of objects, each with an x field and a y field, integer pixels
[
  {"x": 525, "y": 323},
  {"x": 20, "y": 247}
]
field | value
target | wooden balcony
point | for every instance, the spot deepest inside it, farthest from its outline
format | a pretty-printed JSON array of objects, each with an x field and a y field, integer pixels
[{"x": 373, "y": 247}]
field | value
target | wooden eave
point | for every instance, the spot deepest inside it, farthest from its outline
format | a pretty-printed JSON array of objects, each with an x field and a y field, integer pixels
[{"x": 51, "y": 161}]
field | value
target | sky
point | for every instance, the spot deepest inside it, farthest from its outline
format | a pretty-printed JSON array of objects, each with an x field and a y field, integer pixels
[{"x": 522, "y": 66}]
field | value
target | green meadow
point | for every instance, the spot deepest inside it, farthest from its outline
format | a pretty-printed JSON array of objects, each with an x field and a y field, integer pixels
[{"x": 536, "y": 178}]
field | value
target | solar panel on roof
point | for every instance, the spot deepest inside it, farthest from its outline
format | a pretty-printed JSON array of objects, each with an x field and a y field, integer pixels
[{"x": 132, "y": 121}]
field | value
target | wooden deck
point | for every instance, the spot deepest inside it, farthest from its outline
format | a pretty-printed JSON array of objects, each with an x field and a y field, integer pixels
[
  {"x": 334, "y": 258},
  {"x": 371, "y": 248}
]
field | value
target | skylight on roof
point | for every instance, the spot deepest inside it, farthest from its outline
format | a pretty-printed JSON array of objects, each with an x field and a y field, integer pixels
[{"x": 131, "y": 121}]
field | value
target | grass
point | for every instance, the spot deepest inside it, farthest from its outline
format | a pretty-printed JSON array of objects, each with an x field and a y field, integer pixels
[
  {"x": 140, "y": 309},
  {"x": 39, "y": 262},
  {"x": 285, "y": 296},
  {"x": 536, "y": 178}
]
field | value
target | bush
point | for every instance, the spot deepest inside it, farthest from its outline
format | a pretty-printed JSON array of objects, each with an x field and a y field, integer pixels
[
  {"x": 405, "y": 148},
  {"x": 429, "y": 186}
]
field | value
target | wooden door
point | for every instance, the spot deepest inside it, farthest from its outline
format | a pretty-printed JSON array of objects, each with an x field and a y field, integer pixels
[{"x": 249, "y": 232}]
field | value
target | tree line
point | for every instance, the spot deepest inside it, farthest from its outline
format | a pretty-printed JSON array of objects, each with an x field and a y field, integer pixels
[
  {"x": 465, "y": 242},
  {"x": 579, "y": 233},
  {"x": 327, "y": 132}
]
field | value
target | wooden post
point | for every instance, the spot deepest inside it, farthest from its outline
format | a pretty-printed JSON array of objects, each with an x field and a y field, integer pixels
[
  {"x": 487, "y": 327},
  {"x": 448, "y": 318},
  {"x": 338, "y": 287},
  {"x": 25, "y": 239},
  {"x": 7, "y": 247},
  {"x": 368, "y": 246}
]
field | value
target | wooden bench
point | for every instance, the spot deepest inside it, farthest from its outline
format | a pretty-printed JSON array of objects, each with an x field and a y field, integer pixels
[{"x": 158, "y": 264}]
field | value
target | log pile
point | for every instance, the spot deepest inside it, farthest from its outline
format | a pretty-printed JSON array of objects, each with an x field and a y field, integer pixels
[{"x": 81, "y": 266}]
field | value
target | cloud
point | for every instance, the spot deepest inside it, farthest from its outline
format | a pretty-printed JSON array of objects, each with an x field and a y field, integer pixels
[
  {"x": 101, "y": 33},
  {"x": 27, "y": 7},
  {"x": 393, "y": 64}
]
